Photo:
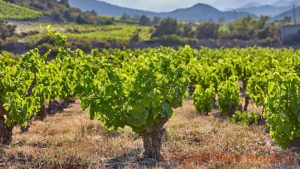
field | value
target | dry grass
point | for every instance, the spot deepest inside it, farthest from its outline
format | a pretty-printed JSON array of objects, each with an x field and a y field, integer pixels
[{"x": 71, "y": 140}]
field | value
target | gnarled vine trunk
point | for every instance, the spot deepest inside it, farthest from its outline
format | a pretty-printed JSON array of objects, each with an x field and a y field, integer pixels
[
  {"x": 54, "y": 107},
  {"x": 153, "y": 141},
  {"x": 41, "y": 115},
  {"x": 215, "y": 103},
  {"x": 247, "y": 101},
  {"x": 244, "y": 92},
  {"x": 24, "y": 129},
  {"x": 296, "y": 144},
  {"x": 5, "y": 132},
  {"x": 233, "y": 109},
  {"x": 66, "y": 102}
]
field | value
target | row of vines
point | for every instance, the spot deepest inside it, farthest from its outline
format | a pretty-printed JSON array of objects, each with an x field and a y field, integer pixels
[{"x": 139, "y": 88}]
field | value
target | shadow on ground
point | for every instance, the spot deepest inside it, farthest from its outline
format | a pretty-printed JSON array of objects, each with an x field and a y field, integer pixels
[
  {"x": 2, "y": 161},
  {"x": 133, "y": 159}
]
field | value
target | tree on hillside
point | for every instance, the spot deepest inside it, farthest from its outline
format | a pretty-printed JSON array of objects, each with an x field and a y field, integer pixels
[
  {"x": 167, "y": 26},
  {"x": 155, "y": 20},
  {"x": 270, "y": 31},
  {"x": 144, "y": 20},
  {"x": 125, "y": 17},
  {"x": 248, "y": 28},
  {"x": 188, "y": 30},
  {"x": 243, "y": 28},
  {"x": 262, "y": 21},
  {"x": 135, "y": 36},
  {"x": 6, "y": 30},
  {"x": 207, "y": 30},
  {"x": 93, "y": 12},
  {"x": 80, "y": 19},
  {"x": 57, "y": 16},
  {"x": 287, "y": 19},
  {"x": 65, "y": 2}
]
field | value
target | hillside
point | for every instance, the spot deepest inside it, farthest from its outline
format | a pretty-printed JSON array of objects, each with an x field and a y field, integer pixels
[
  {"x": 16, "y": 12},
  {"x": 60, "y": 11},
  {"x": 203, "y": 12},
  {"x": 250, "y": 4},
  {"x": 103, "y": 8},
  {"x": 195, "y": 13},
  {"x": 288, "y": 14},
  {"x": 286, "y": 3},
  {"x": 268, "y": 10}
]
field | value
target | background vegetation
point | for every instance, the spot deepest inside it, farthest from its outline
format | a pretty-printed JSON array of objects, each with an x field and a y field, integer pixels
[{"x": 12, "y": 11}]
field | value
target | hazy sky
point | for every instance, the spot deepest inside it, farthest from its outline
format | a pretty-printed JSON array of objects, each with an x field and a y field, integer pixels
[{"x": 168, "y": 5}]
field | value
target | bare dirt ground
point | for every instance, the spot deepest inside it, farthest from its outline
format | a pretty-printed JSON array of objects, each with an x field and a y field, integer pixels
[{"x": 70, "y": 140}]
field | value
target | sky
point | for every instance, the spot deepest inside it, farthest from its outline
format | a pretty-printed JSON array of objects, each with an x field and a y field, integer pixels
[{"x": 168, "y": 5}]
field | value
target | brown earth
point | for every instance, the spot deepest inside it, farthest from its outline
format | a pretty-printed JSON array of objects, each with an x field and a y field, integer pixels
[{"x": 71, "y": 140}]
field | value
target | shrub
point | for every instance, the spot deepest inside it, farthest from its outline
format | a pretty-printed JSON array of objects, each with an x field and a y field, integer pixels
[
  {"x": 207, "y": 30},
  {"x": 167, "y": 26},
  {"x": 282, "y": 109},
  {"x": 203, "y": 99},
  {"x": 171, "y": 40},
  {"x": 188, "y": 30},
  {"x": 6, "y": 30},
  {"x": 135, "y": 36},
  {"x": 245, "y": 117},
  {"x": 228, "y": 97},
  {"x": 144, "y": 20}
]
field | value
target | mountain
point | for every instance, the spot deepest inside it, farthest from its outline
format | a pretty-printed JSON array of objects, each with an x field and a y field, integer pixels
[
  {"x": 269, "y": 10},
  {"x": 197, "y": 12},
  {"x": 272, "y": 9},
  {"x": 103, "y": 8},
  {"x": 203, "y": 12},
  {"x": 250, "y": 4},
  {"x": 286, "y": 3},
  {"x": 289, "y": 14}
]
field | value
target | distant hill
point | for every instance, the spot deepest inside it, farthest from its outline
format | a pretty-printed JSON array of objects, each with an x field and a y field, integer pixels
[
  {"x": 289, "y": 14},
  {"x": 269, "y": 10},
  {"x": 274, "y": 9},
  {"x": 16, "y": 12},
  {"x": 197, "y": 12},
  {"x": 250, "y": 4},
  {"x": 103, "y": 8},
  {"x": 286, "y": 3},
  {"x": 203, "y": 12}
]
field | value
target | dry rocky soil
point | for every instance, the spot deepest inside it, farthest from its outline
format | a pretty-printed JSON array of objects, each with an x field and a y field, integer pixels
[{"x": 71, "y": 140}]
